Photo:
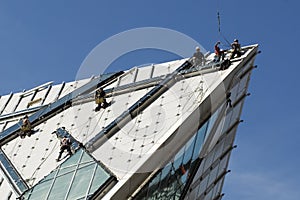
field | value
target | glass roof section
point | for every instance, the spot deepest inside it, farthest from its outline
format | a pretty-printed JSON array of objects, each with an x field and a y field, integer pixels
[{"x": 77, "y": 178}]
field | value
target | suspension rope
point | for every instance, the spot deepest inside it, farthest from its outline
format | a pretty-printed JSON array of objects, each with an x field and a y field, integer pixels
[{"x": 219, "y": 25}]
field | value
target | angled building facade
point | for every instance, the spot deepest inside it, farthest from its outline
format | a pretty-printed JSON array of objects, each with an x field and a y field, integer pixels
[{"x": 167, "y": 133}]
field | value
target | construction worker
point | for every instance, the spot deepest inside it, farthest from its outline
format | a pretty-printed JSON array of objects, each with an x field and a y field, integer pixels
[
  {"x": 219, "y": 54},
  {"x": 26, "y": 127},
  {"x": 236, "y": 49},
  {"x": 198, "y": 57},
  {"x": 65, "y": 144},
  {"x": 228, "y": 99},
  {"x": 100, "y": 99}
]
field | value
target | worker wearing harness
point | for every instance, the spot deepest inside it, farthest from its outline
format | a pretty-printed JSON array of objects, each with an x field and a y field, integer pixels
[
  {"x": 236, "y": 49},
  {"x": 65, "y": 144},
  {"x": 198, "y": 57},
  {"x": 100, "y": 99},
  {"x": 26, "y": 127},
  {"x": 219, "y": 54}
]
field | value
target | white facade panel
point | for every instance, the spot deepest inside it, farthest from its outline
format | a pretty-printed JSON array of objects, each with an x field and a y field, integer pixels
[{"x": 10, "y": 107}]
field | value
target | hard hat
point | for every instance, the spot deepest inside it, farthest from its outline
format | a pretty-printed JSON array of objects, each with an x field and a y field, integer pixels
[
  {"x": 236, "y": 40},
  {"x": 197, "y": 48}
]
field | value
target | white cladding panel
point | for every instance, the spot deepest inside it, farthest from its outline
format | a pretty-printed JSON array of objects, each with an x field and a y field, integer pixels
[{"x": 5, "y": 188}]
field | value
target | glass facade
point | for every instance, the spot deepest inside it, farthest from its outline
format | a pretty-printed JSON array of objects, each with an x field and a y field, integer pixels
[
  {"x": 208, "y": 181},
  {"x": 77, "y": 178},
  {"x": 170, "y": 181}
]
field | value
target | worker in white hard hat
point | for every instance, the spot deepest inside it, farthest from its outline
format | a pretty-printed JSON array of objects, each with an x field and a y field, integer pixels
[{"x": 198, "y": 57}]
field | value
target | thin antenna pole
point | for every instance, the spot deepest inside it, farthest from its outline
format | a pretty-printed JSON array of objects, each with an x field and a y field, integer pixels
[{"x": 219, "y": 24}]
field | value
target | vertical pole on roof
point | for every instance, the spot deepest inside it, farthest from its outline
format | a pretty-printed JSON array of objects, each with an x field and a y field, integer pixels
[{"x": 219, "y": 23}]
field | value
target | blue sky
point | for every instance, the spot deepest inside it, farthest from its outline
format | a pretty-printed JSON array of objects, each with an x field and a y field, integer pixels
[{"x": 42, "y": 41}]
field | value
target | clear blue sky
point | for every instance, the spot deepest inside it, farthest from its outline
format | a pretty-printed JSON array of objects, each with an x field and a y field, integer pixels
[{"x": 42, "y": 41}]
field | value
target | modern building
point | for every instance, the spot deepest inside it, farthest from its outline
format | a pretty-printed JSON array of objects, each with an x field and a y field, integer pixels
[{"x": 167, "y": 134}]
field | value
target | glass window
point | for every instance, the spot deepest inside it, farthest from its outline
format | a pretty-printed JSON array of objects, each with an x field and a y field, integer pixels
[
  {"x": 228, "y": 141},
  {"x": 223, "y": 165},
  {"x": 81, "y": 182},
  {"x": 236, "y": 112},
  {"x": 208, "y": 160},
  {"x": 212, "y": 120},
  {"x": 198, "y": 174},
  {"x": 234, "y": 93},
  {"x": 202, "y": 186},
  {"x": 218, "y": 150},
  {"x": 40, "y": 191},
  {"x": 77, "y": 177},
  {"x": 165, "y": 171},
  {"x": 99, "y": 179},
  {"x": 188, "y": 151},
  {"x": 243, "y": 84},
  {"x": 199, "y": 141},
  {"x": 153, "y": 185},
  {"x": 61, "y": 185},
  {"x": 209, "y": 195},
  {"x": 228, "y": 120},
  {"x": 213, "y": 175},
  {"x": 192, "y": 194},
  {"x": 217, "y": 188}
]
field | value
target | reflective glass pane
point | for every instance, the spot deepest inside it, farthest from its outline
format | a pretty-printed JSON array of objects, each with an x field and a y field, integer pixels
[
  {"x": 222, "y": 165},
  {"x": 66, "y": 170},
  {"x": 236, "y": 112},
  {"x": 81, "y": 182},
  {"x": 153, "y": 186},
  {"x": 202, "y": 186},
  {"x": 165, "y": 172},
  {"x": 101, "y": 176},
  {"x": 200, "y": 138},
  {"x": 86, "y": 158},
  {"x": 208, "y": 160},
  {"x": 217, "y": 188},
  {"x": 76, "y": 178},
  {"x": 40, "y": 191},
  {"x": 228, "y": 120},
  {"x": 60, "y": 186},
  {"x": 208, "y": 196},
  {"x": 243, "y": 84},
  {"x": 188, "y": 152},
  {"x": 234, "y": 92},
  {"x": 213, "y": 175}
]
